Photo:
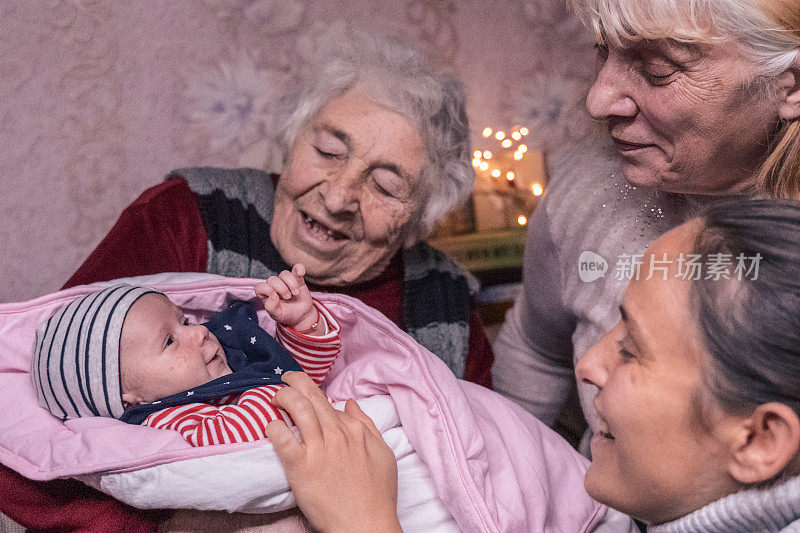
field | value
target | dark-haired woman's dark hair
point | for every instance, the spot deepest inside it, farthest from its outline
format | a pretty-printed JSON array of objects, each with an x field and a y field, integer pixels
[{"x": 750, "y": 323}]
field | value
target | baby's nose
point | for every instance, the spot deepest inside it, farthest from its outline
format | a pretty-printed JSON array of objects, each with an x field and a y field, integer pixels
[{"x": 198, "y": 332}]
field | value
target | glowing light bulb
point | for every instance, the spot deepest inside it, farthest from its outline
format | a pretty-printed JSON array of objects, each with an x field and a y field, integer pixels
[
  {"x": 496, "y": 173},
  {"x": 487, "y": 131},
  {"x": 522, "y": 148},
  {"x": 517, "y": 155},
  {"x": 477, "y": 154},
  {"x": 487, "y": 154},
  {"x": 523, "y": 130},
  {"x": 506, "y": 143},
  {"x": 537, "y": 189},
  {"x": 510, "y": 176},
  {"x": 522, "y": 220},
  {"x": 484, "y": 166},
  {"x": 500, "y": 135},
  {"x": 476, "y": 162},
  {"x": 516, "y": 136}
]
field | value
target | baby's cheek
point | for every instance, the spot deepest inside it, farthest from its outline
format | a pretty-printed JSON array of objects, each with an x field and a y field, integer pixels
[
  {"x": 129, "y": 377},
  {"x": 180, "y": 367}
]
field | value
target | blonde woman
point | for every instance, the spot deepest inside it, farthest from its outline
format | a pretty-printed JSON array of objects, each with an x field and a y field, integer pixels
[{"x": 701, "y": 99}]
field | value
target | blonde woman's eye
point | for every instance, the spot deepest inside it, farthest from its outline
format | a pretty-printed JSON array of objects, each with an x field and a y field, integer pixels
[
  {"x": 659, "y": 71},
  {"x": 658, "y": 79}
]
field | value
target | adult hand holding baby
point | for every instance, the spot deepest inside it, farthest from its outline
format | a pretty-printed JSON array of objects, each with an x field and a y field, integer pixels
[{"x": 357, "y": 494}]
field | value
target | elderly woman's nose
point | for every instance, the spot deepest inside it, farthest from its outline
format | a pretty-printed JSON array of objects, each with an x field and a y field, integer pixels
[
  {"x": 609, "y": 95},
  {"x": 341, "y": 194}
]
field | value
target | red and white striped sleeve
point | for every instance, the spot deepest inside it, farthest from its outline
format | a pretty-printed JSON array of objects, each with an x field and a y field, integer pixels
[
  {"x": 315, "y": 354},
  {"x": 202, "y": 424}
]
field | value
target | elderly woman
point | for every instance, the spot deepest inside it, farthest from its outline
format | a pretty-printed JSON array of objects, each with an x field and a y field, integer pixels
[
  {"x": 697, "y": 390},
  {"x": 701, "y": 100},
  {"x": 376, "y": 152}
]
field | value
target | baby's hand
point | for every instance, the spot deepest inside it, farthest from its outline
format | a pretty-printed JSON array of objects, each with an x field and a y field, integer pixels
[{"x": 288, "y": 300}]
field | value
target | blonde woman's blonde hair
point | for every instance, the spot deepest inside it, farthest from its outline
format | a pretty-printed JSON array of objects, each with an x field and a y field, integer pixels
[{"x": 767, "y": 33}]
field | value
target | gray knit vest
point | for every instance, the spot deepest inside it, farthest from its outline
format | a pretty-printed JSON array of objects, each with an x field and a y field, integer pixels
[{"x": 236, "y": 206}]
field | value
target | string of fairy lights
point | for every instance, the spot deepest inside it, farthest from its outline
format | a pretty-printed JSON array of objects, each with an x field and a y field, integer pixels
[{"x": 501, "y": 164}]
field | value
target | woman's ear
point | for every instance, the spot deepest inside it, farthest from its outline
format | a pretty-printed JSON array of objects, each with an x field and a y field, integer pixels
[
  {"x": 129, "y": 399},
  {"x": 789, "y": 85},
  {"x": 766, "y": 444}
]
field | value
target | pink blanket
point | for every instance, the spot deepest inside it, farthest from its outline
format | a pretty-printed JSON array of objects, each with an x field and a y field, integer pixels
[{"x": 494, "y": 466}]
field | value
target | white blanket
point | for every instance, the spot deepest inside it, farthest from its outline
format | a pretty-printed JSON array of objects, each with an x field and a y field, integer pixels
[{"x": 253, "y": 481}]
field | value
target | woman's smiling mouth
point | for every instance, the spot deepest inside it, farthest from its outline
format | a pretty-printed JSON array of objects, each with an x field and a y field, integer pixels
[
  {"x": 624, "y": 146},
  {"x": 321, "y": 230}
]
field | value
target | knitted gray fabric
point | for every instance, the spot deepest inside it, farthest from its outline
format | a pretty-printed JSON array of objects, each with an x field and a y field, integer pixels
[
  {"x": 75, "y": 365},
  {"x": 558, "y": 315},
  {"x": 756, "y": 510}
]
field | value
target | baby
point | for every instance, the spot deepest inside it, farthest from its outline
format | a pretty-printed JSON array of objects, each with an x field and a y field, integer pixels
[{"x": 128, "y": 352}]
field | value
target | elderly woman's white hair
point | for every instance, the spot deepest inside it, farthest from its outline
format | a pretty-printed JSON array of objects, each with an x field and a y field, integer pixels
[
  {"x": 398, "y": 77},
  {"x": 767, "y": 33}
]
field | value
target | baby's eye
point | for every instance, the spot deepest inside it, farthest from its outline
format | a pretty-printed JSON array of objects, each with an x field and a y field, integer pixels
[
  {"x": 185, "y": 321},
  {"x": 169, "y": 340}
]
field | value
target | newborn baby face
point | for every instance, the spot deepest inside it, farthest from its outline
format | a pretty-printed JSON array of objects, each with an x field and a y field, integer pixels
[{"x": 162, "y": 354}]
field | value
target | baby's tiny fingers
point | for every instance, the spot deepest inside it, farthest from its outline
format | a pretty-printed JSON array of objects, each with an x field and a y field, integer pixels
[
  {"x": 291, "y": 281},
  {"x": 263, "y": 290},
  {"x": 279, "y": 286},
  {"x": 299, "y": 270}
]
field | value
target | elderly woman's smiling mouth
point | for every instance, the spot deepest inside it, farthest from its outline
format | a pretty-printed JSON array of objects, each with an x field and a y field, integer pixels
[{"x": 323, "y": 231}]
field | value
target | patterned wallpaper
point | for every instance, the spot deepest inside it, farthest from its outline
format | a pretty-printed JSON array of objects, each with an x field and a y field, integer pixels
[{"x": 99, "y": 99}]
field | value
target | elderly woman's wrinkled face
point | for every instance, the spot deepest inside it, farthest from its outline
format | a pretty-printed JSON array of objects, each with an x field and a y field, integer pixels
[
  {"x": 653, "y": 456},
  {"x": 350, "y": 191},
  {"x": 684, "y": 118}
]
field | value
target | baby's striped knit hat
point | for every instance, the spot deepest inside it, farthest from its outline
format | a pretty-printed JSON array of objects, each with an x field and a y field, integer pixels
[{"x": 75, "y": 365}]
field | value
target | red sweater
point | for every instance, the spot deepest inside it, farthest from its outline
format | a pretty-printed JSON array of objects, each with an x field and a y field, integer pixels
[{"x": 162, "y": 231}]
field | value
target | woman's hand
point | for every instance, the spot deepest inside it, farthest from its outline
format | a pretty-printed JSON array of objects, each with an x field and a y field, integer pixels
[{"x": 343, "y": 475}]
